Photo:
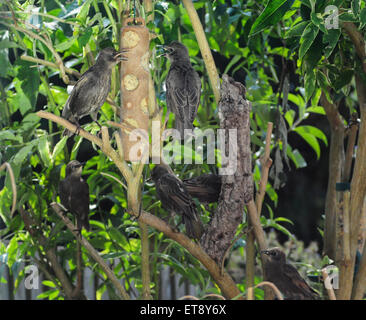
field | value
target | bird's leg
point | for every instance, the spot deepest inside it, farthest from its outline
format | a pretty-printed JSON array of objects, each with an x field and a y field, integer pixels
[
  {"x": 78, "y": 128},
  {"x": 100, "y": 127}
]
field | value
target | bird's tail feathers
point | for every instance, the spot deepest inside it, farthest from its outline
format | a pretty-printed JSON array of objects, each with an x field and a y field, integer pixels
[
  {"x": 180, "y": 126},
  {"x": 194, "y": 227}
]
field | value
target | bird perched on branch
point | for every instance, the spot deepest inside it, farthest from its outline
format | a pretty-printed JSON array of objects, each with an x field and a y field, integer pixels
[
  {"x": 175, "y": 198},
  {"x": 91, "y": 90},
  {"x": 286, "y": 277},
  {"x": 74, "y": 194},
  {"x": 206, "y": 188},
  {"x": 183, "y": 87}
]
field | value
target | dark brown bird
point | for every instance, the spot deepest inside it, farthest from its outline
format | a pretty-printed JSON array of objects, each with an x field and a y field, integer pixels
[
  {"x": 91, "y": 90},
  {"x": 286, "y": 277},
  {"x": 175, "y": 198},
  {"x": 183, "y": 87},
  {"x": 206, "y": 188},
  {"x": 74, "y": 194}
]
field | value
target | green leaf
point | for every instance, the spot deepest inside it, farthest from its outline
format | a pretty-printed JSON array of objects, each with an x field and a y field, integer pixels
[
  {"x": 347, "y": 17},
  {"x": 310, "y": 139},
  {"x": 331, "y": 40},
  {"x": 343, "y": 79},
  {"x": 21, "y": 154},
  {"x": 271, "y": 14},
  {"x": 315, "y": 132},
  {"x": 58, "y": 148},
  {"x": 9, "y": 135},
  {"x": 297, "y": 30},
  {"x": 44, "y": 151},
  {"x": 355, "y": 7},
  {"x": 317, "y": 19},
  {"x": 308, "y": 37},
  {"x": 85, "y": 36},
  {"x": 310, "y": 84},
  {"x": 363, "y": 18},
  {"x": 30, "y": 81},
  {"x": 4, "y": 63},
  {"x": 6, "y": 43},
  {"x": 297, "y": 158}
]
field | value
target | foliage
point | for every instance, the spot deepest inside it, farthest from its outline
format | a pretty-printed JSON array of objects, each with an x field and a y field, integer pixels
[{"x": 281, "y": 50}]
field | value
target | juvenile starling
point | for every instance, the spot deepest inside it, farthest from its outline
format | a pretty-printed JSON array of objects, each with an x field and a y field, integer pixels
[
  {"x": 183, "y": 87},
  {"x": 74, "y": 194},
  {"x": 91, "y": 90},
  {"x": 206, "y": 188},
  {"x": 175, "y": 198},
  {"x": 286, "y": 277}
]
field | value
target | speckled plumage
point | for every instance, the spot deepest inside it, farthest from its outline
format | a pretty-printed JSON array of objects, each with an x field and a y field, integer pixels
[
  {"x": 74, "y": 194},
  {"x": 91, "y": 90},
  {"x": 183, "y": 87},
  {"x": 286, "y": 277},
  {"x": 175, "y": 198}
]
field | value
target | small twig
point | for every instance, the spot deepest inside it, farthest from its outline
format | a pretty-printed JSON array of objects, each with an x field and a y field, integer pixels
[
  {"x": 93, "y": 253},
  {"x": 110, "y": 152},
  {"x": 186, "y": 297},
  {"x": 204, "y": 47},
  {"x": 13, "y": 185},
  {"x": 272, "y": 286},
  {"x": 79, "y": 273},
  {"x": 329, "y": 288},
  {"x": 266, "y": 163},
  {"x": 350, "y": 148},
  {"x": 256, "y": 224},
  {"x": 114, "y": 178},
  {"x": 243, "y": 232}
]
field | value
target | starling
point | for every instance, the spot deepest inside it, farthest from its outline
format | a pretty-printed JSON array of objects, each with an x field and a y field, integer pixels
[
  {"x": 286, "y": 277},
  {"x": 206, "y": 188},
  {"x": 183, "y": 87},
  {"x": 74, "y": 194},
  {"x": 175, "y": 198},
  {"x": 91, "y": 90}
]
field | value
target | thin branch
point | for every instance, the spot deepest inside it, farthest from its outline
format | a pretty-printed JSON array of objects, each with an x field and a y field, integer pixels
[
  {"x": 120, "y": 163},
  {"x": 272, "y": 286},
  {"x": 329, "y": 288},
  {"x": 224, "y": 281},
  {"x": 204, "y": 47},
  {"x": 93, "y": 253},
  {"x": 352, "y": 134},
  {"x": 266, "y": 163},
  {"x": 256, "y": 224},
  {"x": 50, "y": 252}
]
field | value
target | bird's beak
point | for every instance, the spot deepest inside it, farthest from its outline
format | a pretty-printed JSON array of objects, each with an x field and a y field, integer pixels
[
  {"x": 119, "y": 55},
  {"x": 81, "y": 164},
  {"x": 265, "y": 252},
  {"x": 163, "y": 50}
]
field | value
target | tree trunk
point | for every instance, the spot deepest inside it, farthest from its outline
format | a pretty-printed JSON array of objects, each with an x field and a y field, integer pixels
[{"x": 237, "y": 183}]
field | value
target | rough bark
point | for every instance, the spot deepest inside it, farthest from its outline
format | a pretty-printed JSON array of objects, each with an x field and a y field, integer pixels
[
  {"x": 336, "y": 164},
  {"x": 237, "y": 188}
]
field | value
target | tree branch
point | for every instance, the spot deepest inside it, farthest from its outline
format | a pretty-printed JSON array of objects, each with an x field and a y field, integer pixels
[
  {"x": 50, "y": 253},
  {"x": 93, "y": 253},
  {"x": 224, "y": 281},
  {"x": 204, "y": 47},
  {"x": 336, "y": 164},
  {"x": 237, "y": 182}
]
